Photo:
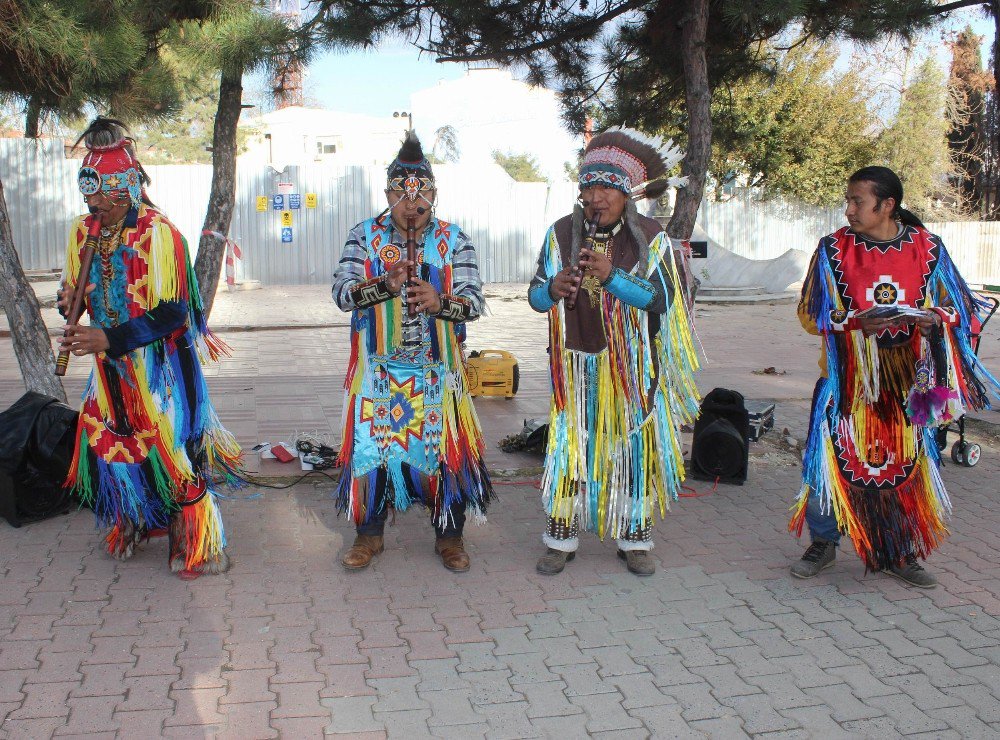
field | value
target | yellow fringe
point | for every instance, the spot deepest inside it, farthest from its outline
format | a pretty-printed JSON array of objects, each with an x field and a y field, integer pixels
[
  {"x": 164, "y": 283},
  {"x": 573, "y": 477}
]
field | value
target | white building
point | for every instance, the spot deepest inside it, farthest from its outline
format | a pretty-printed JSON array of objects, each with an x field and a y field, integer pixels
[
  {"x": 298, "y": 135},
  {"x": 487, "y": 108},
  {"x": 490, "y": 110}
]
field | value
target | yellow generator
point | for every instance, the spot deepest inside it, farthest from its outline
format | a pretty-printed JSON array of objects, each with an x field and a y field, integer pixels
[{"x": 492, "y": 372}]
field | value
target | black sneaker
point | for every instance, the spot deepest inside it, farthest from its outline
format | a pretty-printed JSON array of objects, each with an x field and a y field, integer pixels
[
  {"x": 819, "y": 555},
  {"x": 912, "y": 572}
]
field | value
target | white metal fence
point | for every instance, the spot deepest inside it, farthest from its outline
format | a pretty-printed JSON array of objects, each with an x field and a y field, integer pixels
[{"x": 506, "y": 220}]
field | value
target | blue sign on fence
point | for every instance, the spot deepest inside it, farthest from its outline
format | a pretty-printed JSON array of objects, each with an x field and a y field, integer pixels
[
  {"x": 286, "y": 235},
  {"x": 294, "y": 200},
  {"x": 278, "y": 202}
]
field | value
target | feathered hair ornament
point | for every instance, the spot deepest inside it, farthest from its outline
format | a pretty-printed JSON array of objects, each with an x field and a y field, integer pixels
[
  {"x": 630, "y": 161},
  {"x": 410, "y": 159},
  {"x": 410, "y": 172}
]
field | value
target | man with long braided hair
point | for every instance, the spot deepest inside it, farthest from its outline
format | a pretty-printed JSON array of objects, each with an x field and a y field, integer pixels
[
  {"x": 895, "y": 317},
  {"x": 148, "y": 440}
]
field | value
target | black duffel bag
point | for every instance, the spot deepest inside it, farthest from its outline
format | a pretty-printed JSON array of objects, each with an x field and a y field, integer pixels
[{"x": 37, "y": 436}]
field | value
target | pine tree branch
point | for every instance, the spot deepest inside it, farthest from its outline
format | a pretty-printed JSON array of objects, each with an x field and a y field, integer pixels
[
  {"x": 948, "y": 7},
  {"x": 571, "y": 32}
]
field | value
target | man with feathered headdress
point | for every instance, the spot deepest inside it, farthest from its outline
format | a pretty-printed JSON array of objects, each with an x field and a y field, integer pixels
[
  {"x": 410, "y": 432},
  {"x": 148, "y": 440},
  {"x": 620, "y": 355}
]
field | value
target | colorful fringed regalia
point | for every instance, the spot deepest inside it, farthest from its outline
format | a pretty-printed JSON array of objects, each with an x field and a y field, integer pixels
[
  {"x": 622, "y": 386},
  {"x": 148, "y": 440},
  {"x": 871, "y": 455},
  {"x": 410, "y": 431}
]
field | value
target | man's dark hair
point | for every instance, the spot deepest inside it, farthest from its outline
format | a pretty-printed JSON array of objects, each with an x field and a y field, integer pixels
[{"x": 886, "y": 184}]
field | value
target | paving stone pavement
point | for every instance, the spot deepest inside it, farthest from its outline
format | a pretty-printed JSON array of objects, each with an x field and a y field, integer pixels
[{"x": 721, "y": 642}]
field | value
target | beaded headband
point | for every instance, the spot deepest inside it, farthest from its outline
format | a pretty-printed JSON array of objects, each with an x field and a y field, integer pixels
[{"x": 112, "y": 170}]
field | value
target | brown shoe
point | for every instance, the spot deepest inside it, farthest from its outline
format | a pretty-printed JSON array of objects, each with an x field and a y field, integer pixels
[
  {"x": 553, "y": 561},
  {"x": 453, "y": 554},
  {"x": 360, "y": 555},
  {"x": 639, "y": 562}
]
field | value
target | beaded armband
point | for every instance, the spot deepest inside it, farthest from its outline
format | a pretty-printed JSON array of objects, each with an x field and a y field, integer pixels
[
  {"x": 371, "y": 292},
  {"x": 454, "y": 308}
]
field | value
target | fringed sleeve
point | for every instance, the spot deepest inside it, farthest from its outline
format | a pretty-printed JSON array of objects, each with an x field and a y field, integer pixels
[
  {"x": 172, "y": 279},
  {"x": 168, "y": 276},
  {"x": 962, "y": 312}
]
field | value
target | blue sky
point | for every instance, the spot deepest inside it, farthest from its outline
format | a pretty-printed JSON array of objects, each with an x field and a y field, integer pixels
[{"x": 374, "y": 82}]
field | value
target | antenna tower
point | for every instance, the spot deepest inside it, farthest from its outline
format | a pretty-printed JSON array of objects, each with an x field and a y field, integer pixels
[{"x": 286, "y": 85}]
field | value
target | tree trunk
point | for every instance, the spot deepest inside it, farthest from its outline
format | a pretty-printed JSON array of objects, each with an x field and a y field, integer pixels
[
  {"x": 992, "y": 184},
  {"x": 32, "y": 118},
  {"x": 27, "y": 330},
  {"x": 222, "y": 199},
  {"x": 698, "y": 98}
]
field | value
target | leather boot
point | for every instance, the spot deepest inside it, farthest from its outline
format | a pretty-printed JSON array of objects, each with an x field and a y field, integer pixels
[
  {"x": 639, "y": 562},
  {"x": 453, "y": 554},
  {"x": 365, "y": 547},
  {"x": 553, "y": 561}
]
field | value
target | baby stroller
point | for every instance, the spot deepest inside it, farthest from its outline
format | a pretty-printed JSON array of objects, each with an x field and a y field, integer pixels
[{"x": 962, "y": 452}]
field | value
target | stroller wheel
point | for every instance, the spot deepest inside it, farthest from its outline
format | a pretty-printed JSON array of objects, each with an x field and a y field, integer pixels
[
  {"x": 958, "y": 452},
  {"x": 972, "y": 454}
]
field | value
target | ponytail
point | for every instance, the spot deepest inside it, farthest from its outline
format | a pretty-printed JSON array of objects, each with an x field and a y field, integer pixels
[{"x": 907, "y": 218}]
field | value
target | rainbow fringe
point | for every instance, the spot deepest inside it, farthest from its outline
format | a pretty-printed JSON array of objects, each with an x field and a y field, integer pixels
[
  {"x": 454, "y": 469},
  {"x": 862, "y": 400},
  {"x": 139, "y": 482},
  {"x": 614, "y": 454}
]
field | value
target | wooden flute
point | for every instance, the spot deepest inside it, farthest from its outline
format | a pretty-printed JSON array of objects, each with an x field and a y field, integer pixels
[
  {"x": 411, "y": 256},
  {"x": 80, "y": 289},
  {"x": 578, "y": 270}
]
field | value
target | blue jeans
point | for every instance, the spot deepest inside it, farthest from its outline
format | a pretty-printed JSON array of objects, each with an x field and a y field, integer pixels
[
  {"x": 456, "y": 523},
  {"x": 821, "y": 525}
]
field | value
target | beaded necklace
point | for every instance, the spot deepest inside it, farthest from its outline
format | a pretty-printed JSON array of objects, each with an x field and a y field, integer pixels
[
  {"x": 603, "y": 243},
  {"x": 109, "y": 241}
]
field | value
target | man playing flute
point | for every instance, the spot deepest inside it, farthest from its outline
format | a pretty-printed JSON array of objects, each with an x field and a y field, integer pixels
[
  {"x": 410, "y": 431},
  {"x": 620, "y": 355},
  {"x": 148, "y": 440}
]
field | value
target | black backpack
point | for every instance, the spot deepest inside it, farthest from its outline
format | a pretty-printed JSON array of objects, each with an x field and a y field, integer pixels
[
  {"x": 37, "y": 436},
  {"x": 721, "y": 447}
]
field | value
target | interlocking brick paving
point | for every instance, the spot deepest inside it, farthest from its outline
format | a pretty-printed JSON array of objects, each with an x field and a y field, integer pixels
[{"x": 721, "y": 642}]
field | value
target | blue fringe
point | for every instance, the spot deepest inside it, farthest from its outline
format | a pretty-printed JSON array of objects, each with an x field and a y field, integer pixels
[
  {"x": 948, "y": 281},
  {"x": 125, "y": 493}
]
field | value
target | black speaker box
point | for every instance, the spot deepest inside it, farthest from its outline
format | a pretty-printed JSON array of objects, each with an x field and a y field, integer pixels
[
  {"x": 37, "y": 436},
  {"x": 720, "y": 449}
]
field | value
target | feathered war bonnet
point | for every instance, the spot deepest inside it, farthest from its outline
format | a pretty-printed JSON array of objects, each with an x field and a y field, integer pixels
[
  {"x": 110, "y": 165},
  {"x": 637, "y": 165},
  {"x": 630, "y": 161},
  {"x": 410, "y": 172}
]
